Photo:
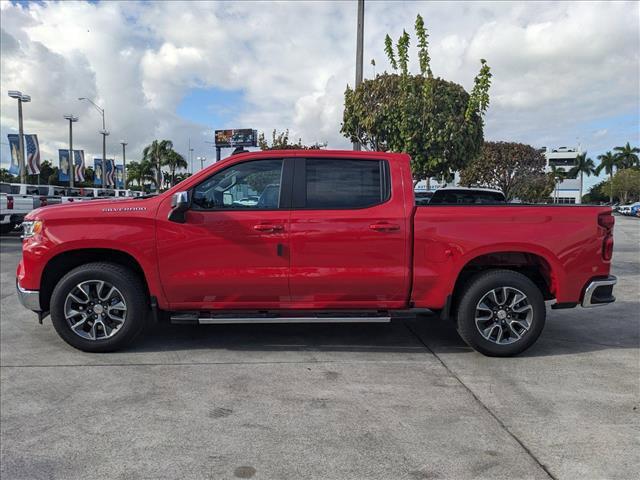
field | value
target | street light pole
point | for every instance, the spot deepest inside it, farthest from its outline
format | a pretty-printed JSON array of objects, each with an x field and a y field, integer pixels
[
  {"x": 72, "y": 168},
  {"x": 359, "y": 55},
  {"x": 103, "y": 132},
  {"x": 124, "y": 164},
  {"x": 21, "y": 163}
]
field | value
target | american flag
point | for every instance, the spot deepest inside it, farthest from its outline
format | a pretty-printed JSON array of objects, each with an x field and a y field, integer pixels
[
  {"x": 33, "y": 154},
  {"x": 110, "y": 173},
  {"x": 78, "y": 166}
]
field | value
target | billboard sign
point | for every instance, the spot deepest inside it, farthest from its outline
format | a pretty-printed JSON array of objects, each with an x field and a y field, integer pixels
[{"x": 244, "y": 137}]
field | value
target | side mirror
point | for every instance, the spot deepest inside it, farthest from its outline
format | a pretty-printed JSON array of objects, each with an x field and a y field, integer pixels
[{"x": 179, "y": 207}]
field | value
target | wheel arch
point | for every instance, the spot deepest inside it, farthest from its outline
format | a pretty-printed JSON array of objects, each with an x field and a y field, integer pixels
[
  {"x": 58, "y": 266},
  {"x": 539, "y": 269}
]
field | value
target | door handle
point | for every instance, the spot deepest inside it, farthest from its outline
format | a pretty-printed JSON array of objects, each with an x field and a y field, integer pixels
[
  {"x": 267, "y": 227},
  {"x": 384, "y": 227}
]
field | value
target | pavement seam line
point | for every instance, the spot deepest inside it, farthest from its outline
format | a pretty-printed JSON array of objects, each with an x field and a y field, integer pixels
[{"x": 483, "y": 405}]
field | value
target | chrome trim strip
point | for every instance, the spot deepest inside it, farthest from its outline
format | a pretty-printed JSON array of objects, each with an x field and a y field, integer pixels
[
  {"x": 206, "y": 321},
  {"x": 28, "y": 298},
  {"x": 588, "y": 293}
]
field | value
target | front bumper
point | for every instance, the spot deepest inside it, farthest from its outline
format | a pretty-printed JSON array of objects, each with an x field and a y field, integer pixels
[
  {"x": 599, "y": 292},
  {"x": 29, "y": 298}
]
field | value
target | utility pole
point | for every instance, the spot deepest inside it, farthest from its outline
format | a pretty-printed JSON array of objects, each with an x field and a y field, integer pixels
[
  {"x": 22, "y": 98},
  {"x": 359, "y": 54},
  {"x": 104, "y": 134},
  {"x": 124, "y": 164},
  {"x": 190, "y": 159},
  {"x": 72, "y": 164}
]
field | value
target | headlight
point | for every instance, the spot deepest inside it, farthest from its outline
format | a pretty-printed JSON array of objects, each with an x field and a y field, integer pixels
[{"x": 31, "y": 228}]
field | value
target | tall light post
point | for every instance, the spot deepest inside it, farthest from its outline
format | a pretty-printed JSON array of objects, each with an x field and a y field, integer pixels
[
  {"x": 22, "y": 98},
  {"x": 124, "y": 164},
  {"x": 202, "y": 160},
  {"x": 72, "y": 169},
  {"x": 104, "y": 132}
]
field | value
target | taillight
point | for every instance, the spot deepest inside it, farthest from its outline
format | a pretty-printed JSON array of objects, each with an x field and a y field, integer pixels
[
  {"x": 607, "y": 247},
  {"x": 43, "y": 201},
  {"x": 606, "y": 220},
  {"x": 9, "y": 202}
]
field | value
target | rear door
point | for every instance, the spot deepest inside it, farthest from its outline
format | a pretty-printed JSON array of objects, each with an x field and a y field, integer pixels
[{"x": 349, "y": 233}]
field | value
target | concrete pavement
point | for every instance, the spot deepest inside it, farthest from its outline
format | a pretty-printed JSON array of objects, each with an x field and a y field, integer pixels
[{"x": 404, "y": 400}]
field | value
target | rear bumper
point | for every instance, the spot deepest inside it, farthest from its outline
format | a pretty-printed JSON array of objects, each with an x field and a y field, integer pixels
[
  {"x": 29, "y": 298},
  {"x": 599, "y": 291}
]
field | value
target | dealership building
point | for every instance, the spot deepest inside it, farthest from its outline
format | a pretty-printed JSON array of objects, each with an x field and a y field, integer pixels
[{"x": 563, "y": 158}]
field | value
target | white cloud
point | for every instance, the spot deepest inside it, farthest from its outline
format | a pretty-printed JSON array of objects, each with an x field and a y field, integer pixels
[{"x": 556, "y": 66}]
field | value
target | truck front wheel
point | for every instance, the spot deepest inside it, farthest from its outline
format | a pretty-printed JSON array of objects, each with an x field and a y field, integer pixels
[
  {"x": 99, "y": 307},
  {"x": 501, "y": 313}
]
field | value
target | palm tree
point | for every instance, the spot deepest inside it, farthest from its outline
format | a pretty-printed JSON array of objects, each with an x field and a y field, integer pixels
[
  {"x": 133, "y": 173},
  {"x": 583, "y": 166},
  {"x": 627, "y": 156},
  {"x": 156, "y": 154},
  {"x": 148, "y": 173},
  {"x": 558, "y": 176},
  {"x": 175, "y": 161},
  {"x": 608, "y": 162}
]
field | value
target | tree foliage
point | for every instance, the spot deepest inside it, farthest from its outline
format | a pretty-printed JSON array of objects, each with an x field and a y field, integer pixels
[
  {"x": 506, "y": 166},
  {"x": 536, "y": 188},
  {"x": 627, "y": 156},
  {"x": 280, "y": 141},
  {"x": 435, "y": 121},
  {"x": 626, "y": 185}
]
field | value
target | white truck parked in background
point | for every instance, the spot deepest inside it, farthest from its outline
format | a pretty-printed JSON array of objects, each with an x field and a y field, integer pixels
[{"x": 13, "y": 207}]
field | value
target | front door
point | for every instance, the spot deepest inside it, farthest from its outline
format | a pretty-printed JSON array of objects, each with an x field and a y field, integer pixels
[
  {"x": 232, "y": 252},
  {"x": 349, "y": 234}
]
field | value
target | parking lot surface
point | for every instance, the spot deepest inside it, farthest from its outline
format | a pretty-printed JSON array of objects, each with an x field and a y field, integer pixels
[{"x": 381, "y": 401}]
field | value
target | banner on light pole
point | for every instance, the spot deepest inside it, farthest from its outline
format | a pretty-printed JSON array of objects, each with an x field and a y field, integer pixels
[
  {"x": 33, "y": 154},
  {"x": 14, "y": 146},
  {"x": 78, "y": 165},
  {"x": 97, "y": 172},
  {"x": 63, "y": 165}
]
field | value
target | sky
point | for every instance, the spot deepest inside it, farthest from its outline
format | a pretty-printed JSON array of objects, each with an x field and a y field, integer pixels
[{"x": 564, "y": 73}]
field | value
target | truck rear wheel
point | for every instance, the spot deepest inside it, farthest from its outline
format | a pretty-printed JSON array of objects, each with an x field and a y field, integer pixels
[
  {"x": 99, "y": 307},
  {"x": 501, "y": 313}
]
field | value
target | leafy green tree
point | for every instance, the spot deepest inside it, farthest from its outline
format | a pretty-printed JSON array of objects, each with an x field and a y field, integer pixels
[
  {"x": 626, "y": 185},
  {"x": 583, "y": 166},
  {"x": 608, "y": 162},
  {"x": 280, "y": 141},
  {"x": 627, "y": 156},
  {"x": 435, "y": 121},
  {"x": 598, "y": 193},
  {"x": 157, "y": 153},
  {"x": 503, "y": 165},
  {"x": 5, "y": 176},
  {"x": 536, "y": 188}
]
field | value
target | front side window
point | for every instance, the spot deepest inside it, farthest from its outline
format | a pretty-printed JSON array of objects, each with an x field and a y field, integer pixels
[
  {"x": 244, "y": 186},
  {"x": 338, "y": 184}
]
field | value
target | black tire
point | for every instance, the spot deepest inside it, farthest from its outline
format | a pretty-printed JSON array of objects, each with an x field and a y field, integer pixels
[
  {"x": 130, "y": 287},
  {"x": 481, "y": 285}
]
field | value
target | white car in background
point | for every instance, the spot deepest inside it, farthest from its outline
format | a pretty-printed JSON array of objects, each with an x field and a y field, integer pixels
[{"x": 13, "y": 207}]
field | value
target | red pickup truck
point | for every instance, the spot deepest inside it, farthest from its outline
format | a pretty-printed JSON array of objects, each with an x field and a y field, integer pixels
[{"x": 310, "y": 236}]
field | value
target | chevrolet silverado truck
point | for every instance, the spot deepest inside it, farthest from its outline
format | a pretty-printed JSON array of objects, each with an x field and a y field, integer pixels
[{"x": 310, "y": 236}]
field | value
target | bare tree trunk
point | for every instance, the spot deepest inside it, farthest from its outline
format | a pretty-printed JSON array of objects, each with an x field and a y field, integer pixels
[{"x": 611, "y": 187}]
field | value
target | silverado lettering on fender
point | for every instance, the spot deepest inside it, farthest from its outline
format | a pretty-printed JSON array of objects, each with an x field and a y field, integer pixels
[{"x": 310, "y": 236}]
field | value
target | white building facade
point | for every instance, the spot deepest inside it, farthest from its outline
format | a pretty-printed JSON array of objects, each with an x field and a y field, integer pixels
[{"x": 563, "y": 158}]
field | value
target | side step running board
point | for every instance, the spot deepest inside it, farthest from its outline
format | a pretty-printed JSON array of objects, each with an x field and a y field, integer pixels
[{"x": 248, "y": 318}]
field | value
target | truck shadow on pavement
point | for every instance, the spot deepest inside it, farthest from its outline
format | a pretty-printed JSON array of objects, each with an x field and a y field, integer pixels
[{"x": 565, "y": 334}]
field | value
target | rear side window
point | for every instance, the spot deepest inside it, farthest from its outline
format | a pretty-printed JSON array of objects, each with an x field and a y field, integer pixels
[
  {"x": 340, "y": 184},
  {"x": 5, "y": 188}
]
